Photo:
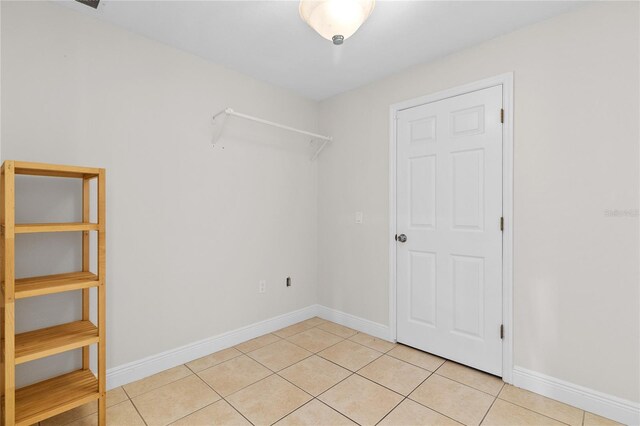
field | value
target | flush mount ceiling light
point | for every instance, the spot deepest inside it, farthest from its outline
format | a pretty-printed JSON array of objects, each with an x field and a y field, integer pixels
[{"x": 336, "y": 20}]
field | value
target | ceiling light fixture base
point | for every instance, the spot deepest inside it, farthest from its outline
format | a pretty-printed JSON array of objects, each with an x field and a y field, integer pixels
[{"x": 337, "y": 40}]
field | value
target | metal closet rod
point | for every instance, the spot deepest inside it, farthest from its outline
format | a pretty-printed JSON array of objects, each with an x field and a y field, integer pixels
[{"x": 230, "y": 111}]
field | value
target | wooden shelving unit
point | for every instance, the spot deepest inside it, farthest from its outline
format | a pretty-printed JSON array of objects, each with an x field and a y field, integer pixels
[{"x": 37, "y": 402}]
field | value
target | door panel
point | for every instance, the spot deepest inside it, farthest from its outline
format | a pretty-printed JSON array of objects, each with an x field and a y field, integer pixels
[
  {"x": 449, "y": 204},
  {"x": 422, "y": 183},
  {"x": 423, "y": 287}
]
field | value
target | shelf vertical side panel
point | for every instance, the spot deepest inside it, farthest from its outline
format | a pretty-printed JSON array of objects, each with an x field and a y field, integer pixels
[
  {"x": 86, "y": 253},
  {"x": 2, "y": 306},
  {"x": 102, "y": 298},
  {"x": 8, "y": 260}
]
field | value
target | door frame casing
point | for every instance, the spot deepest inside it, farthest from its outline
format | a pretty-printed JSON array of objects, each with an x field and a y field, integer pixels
[{"x": 506, "y": 81}]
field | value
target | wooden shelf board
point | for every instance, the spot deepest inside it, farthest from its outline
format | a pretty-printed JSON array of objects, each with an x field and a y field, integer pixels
[
  {"x": 53, "y": 340},
  {"x": 54, "y": 170},
  {"x": 29, "y": 228},
  {"x": 42, "y": 400},
  {"x": 48, "y": 284}
]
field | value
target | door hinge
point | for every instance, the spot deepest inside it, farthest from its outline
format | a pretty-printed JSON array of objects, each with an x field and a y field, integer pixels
[
  {"x": 502, "y": 223},
  {"x": 502, "y": 331},
  {"x": 502, "y": 115}
]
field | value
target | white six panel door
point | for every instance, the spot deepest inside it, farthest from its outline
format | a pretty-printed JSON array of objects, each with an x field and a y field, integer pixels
[{"x": 449, "y": 205}]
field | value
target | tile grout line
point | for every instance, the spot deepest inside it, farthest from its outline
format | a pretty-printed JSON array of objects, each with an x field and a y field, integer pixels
[
  {"x": 337, "y": 411},
  {"x": 222, "y": 398},
  {"x": 259, "y": 347},
  {"x": 294, "y": 410},
  {"x": 446, "y": 377},
  {"x": 431, "y": 408},
  {"x": 405, "y": 398},
  {"x": 270, "y": 370},
  {"x": 125, "y": 391},
  {"x": 335, "y": 334},
  {"x": 139, "y": 413},
  {"x": 334, "y": 363},
  {"x": 313, "y": 397},
  {"x": 369, "y": 347},
  {"x": 534, "y": 411},
  {"x": 193, "y": 374},
  {"x": 96, "y": 413},
  {"x": 334, "y": 385},
  {"x": 285, "y": 339},
  {"x": 469, "y": 386},
  {"x": 387, "y": 387},
  {"x": 495, "y": 398},
  {"x": 158, "y": 387},
  {"x": 391, "y": 411},
  {"x": 193, "y": 412},
  {"x": 258, "y": 362},
  {"x": 327, "y": 359},
  {"x": 409, "y": 362},
  {"x": 244, "y": 387},
  {"x": 331, "y": 387},
  {"x": 211, "y": 366},
  {"x": 279, "y": 342},
  {"x": 353, "y": 373},
  {"x": 275, "y": 373}
]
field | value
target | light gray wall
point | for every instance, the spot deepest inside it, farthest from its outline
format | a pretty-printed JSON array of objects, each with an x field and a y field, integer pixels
[
  {"x": 576, "y": 272},
  {"x": 191, "y": 228}
]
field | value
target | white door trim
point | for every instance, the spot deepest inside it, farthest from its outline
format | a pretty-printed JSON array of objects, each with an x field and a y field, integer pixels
[{"x": 506, "y": 80}]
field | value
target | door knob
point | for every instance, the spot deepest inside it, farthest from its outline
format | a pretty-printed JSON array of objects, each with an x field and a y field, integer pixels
[{"x": 402, "y": 238}]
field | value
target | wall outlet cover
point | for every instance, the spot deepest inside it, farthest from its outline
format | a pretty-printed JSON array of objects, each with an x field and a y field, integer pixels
[{"x": 359, "y": 216}]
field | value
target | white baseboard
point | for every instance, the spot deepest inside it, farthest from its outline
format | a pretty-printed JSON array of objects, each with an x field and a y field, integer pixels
[
  {"x": 357, "y": 323},
  {"x": 596, "y": 402},
  {"x": 136, "y": 370}
]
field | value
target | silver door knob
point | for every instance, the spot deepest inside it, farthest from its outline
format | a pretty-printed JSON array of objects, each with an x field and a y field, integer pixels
[{"x": 402, "y": 238}]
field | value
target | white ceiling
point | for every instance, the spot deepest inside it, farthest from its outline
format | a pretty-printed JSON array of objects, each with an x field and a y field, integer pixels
[{"x": 269, "y": 41}]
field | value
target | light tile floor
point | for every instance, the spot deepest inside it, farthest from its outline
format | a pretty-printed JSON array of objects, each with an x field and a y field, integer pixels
[{"x": 320, "y": 373}]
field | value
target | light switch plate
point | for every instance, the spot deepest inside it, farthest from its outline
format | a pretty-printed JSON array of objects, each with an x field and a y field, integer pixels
[{"x": 358, "y": 217}]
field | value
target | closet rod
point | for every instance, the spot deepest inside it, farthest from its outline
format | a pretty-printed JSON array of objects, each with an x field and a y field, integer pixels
[{"x": 230, "y": 111}]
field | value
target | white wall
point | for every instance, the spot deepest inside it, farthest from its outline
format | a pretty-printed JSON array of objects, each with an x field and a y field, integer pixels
[
  {"x": 576, "y": 272},
  {"x": 191, "y": 228}
]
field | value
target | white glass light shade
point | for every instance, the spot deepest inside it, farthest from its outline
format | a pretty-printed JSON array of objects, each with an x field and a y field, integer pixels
[{"x": 331, "y": 18}]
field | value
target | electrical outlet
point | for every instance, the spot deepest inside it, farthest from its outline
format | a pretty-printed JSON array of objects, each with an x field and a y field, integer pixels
[
  {"x": 359, "y": 217},
  {"x": 262, "y": 286}
]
